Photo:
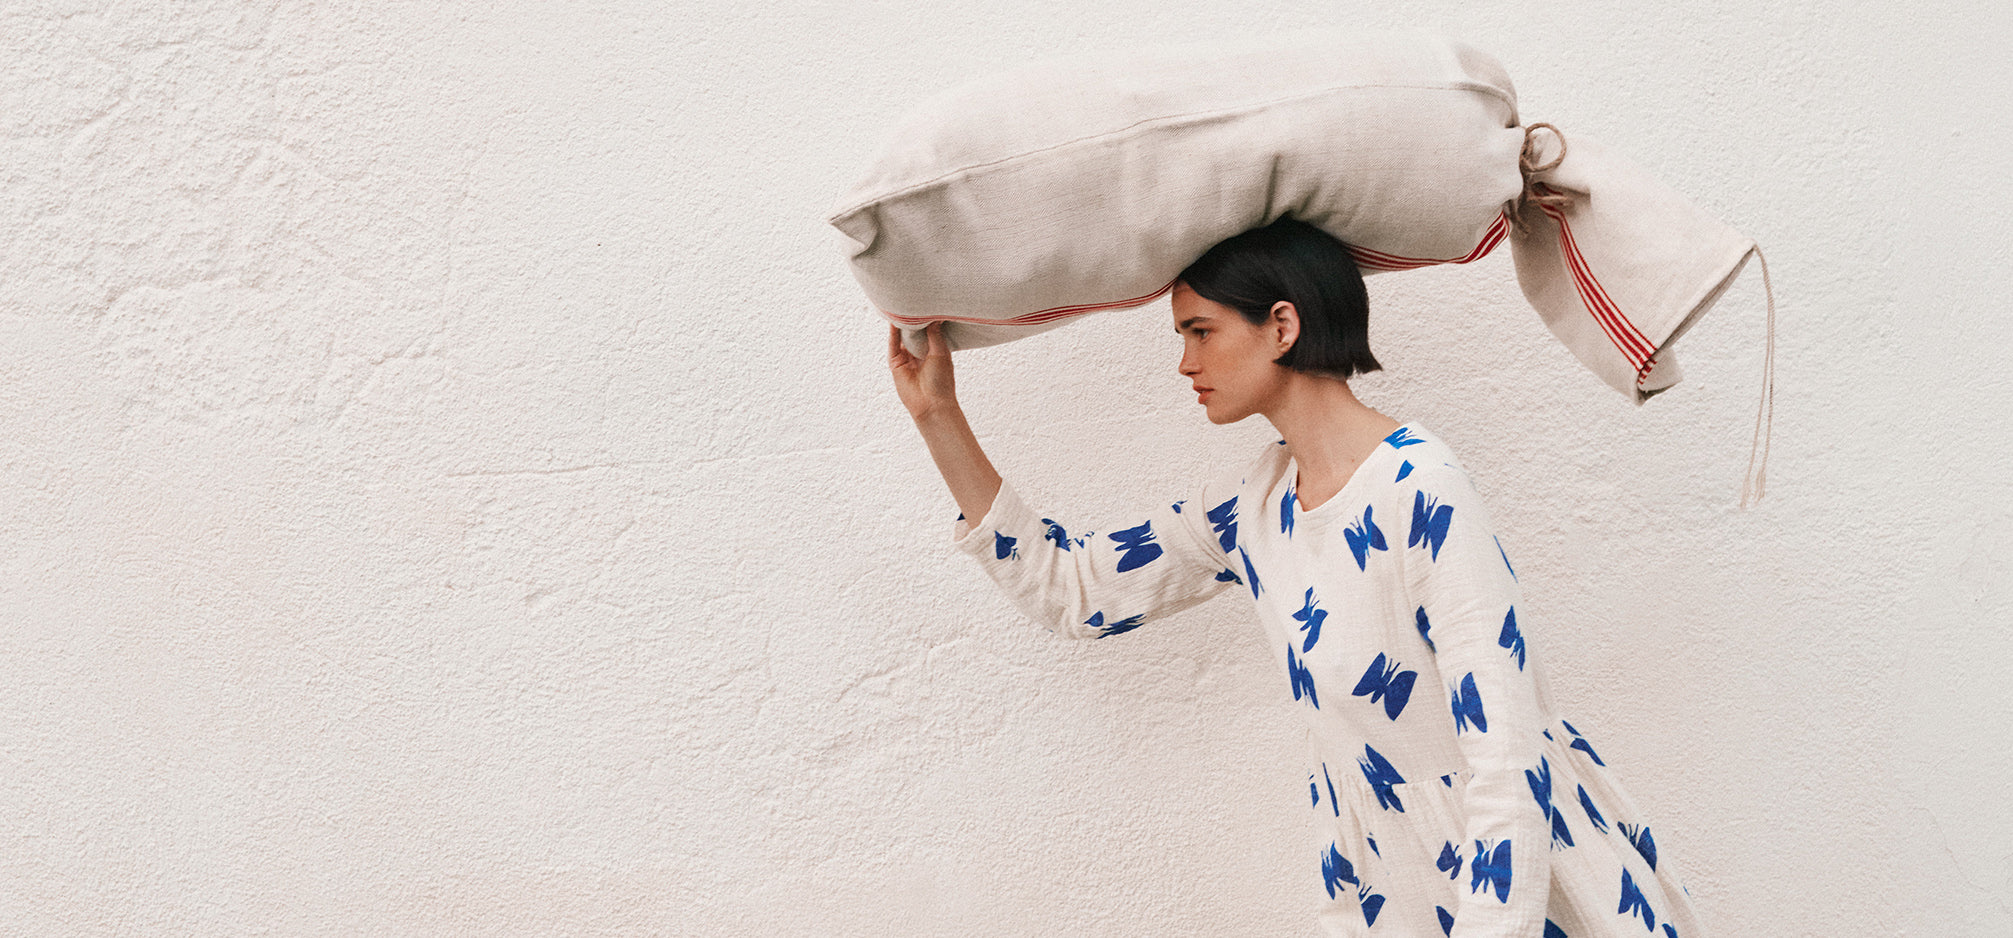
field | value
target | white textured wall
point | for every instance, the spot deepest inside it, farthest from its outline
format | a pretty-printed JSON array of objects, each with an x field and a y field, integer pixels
[{"x": 449, "y": 484}]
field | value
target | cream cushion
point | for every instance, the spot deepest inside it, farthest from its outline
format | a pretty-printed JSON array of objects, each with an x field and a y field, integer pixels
[{"x": 1016, "y": 203}]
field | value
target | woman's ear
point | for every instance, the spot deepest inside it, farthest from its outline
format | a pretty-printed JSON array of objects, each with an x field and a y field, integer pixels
[{"x": 1284, "y": 325}]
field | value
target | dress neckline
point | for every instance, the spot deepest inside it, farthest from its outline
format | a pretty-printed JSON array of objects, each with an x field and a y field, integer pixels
[{"x": 1357, "y": 476}]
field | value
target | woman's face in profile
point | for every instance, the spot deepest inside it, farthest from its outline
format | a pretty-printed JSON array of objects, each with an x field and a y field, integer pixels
[{"x": 1228, "y": 360}]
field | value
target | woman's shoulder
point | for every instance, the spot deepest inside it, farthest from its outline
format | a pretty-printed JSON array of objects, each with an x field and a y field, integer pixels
[
  {"x": 1423, "y": 449},
  {"x": 1426, "y": 463}
]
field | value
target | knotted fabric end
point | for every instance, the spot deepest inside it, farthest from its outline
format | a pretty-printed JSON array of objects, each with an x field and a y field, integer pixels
[{"x": 1536, "y": 195}]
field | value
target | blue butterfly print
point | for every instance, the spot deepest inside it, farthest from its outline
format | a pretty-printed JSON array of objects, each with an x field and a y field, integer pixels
[
  {"x": 1467, "y": 707},
  {"x": 1580, "y": 743},
  {"x": 1385, "y": 681},
  {"x": 1552, "y": 930},
  {"x": 1363, "y": 537},
  {"x": 1424, "y": 628},
  {"x": 1372, "y": 841},
  {"x": 1634, "y": 902},
  {"x": 1593, "y": 813},
  {"x": 1669, "y": 932},
  {"x": 1541, "y": 785},
  {"x": 1401, "y": 438},
  {"x": 1506, "y": 557},
  {"x": 1055, "y": 533},
  {"x": 1645, "y": 844},
  {"x": 1336, "y": 870},
  {"x": 1311, "y": 617},
  {"x": 1450, "y": 860},
  {"x": 1301, "y": 678},
  {"x": 1126, "y": 624},
  {"x": 1333, "y": 805},
  {"x": 1223, "y": 520},
  {"x": 1003, "y": 547},
  {"x": 1404, "y": 469},
  {"x": 1286, "y": 514},
  {"x": 1541, "y": 791},
  {"x": 1250, "y": 574},
  {"x": 1228, "y": 576},
  {"x": 1177, "y": 506},
  {"x": 1429, "y": 523},
  {"x": 1491, "y": 866},
  {"x": 1383, "y": 777},
  {"x": 1446, "y": 921},
  {"x": 1314, "y": 792},
  {"x": 1511, "y": 638},
  {"x": 1371, "y": 904},
  {"x": 1137, "y": 546}
]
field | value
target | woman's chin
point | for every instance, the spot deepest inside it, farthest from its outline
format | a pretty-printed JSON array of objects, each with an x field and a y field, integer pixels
[{"x": 1220, "y": 416}]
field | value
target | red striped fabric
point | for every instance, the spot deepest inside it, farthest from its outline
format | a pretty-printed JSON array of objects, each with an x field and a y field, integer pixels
[
  {"x": 1041, "y": 316},
  {"x": 1378, "y": 260},
  {"x": 1629, "y": 340}
]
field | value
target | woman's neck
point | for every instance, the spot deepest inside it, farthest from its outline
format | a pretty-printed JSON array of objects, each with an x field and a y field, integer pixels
[{"x": 1329, "y": 431}]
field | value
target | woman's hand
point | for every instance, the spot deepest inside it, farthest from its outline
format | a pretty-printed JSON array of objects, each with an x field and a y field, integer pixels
[
  {"x": 925, "y": 385},
  {"x": 928, "y": 391}
]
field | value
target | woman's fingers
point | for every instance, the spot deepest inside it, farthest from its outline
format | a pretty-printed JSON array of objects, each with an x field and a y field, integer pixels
[
  {"x": 896, "y": 353},
  {"x": 923, "y": 383},
  {"x": 934, "y": 344}
]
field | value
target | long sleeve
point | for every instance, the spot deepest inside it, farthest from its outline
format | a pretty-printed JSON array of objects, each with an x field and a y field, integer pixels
[
  {"x": 1090, "y": 584},
  {"x": 1467, "y": 607}
]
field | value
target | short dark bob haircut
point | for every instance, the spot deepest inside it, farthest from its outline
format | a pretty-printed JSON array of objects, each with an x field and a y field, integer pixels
[{"x": 1294, "y": 261}]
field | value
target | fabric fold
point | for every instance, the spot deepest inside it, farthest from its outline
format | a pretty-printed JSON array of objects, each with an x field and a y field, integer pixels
[{"x": 1623, "y": 267}]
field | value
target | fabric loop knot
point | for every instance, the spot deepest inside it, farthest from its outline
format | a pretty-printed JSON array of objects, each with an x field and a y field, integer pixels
[{"x": 1536, "y": 193}]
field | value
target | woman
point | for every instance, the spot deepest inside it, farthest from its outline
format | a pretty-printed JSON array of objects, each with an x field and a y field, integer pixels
[{"x": 1446, "y": 794}]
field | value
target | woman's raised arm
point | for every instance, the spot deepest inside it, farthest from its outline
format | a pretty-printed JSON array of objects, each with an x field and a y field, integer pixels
[
  {"x": 1086, "y": 586},
  {"x": 928, "y": 389}
]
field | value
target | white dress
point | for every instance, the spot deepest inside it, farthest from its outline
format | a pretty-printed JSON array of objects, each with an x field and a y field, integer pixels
[{"x": 1446, "y": 795}]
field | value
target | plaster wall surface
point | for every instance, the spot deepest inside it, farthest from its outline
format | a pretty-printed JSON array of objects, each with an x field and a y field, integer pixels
[{"x": 450, "y": 485}]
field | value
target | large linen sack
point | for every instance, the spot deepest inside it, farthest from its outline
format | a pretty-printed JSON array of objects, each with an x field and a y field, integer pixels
[{"x": 1013, "y": 204}]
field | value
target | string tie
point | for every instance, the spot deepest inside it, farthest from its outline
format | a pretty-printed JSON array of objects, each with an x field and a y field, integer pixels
[
  {"x": 1755, "y": 483},
  {"x": 1536, "y": 194}
]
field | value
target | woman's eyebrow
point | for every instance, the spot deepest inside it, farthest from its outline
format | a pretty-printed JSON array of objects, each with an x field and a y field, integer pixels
[{"x": 1190, "y": 321}]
